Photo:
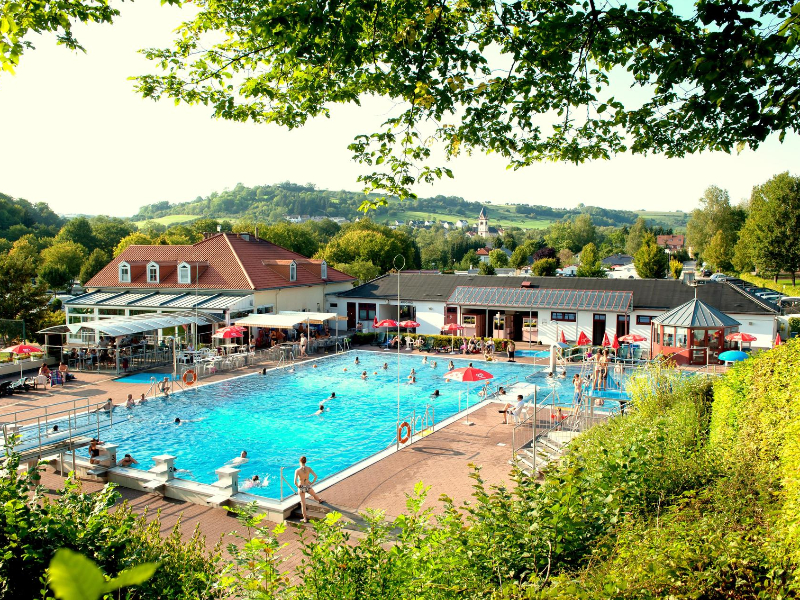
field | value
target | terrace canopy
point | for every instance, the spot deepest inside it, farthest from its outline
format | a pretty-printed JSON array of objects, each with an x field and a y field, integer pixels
[
  {"x": 120, "y": 326},
  {"x": 692, "y": 333},
  {"x": 286, "y": 319}
]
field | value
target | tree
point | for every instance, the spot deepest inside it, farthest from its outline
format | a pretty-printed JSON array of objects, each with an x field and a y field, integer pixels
[
  {"x": 583, "y": 230},
  {"x": 292, "y": 237},
  {"x": 108, "y": 231},
  {"x": 545, "y": 267},
  {"x": 362, "y": 270},
  {"x": 78, "y": 230},
  {"x": 714, "y": 214},
  {"x": 56, "y": 277},
  {"x": 367, "y": 241},
  {"x": 544, "y": 252},
  {"x": 486, "y": 268},
  {"x": 636, "y": 236},
  {"x": 21, "y": 299},
  {"x": 69, "y": 255},
  {"x": 93, "y": 265},
  {"x": 138, "y": 239},
  {"x": 561, "y": 236},
  {"x": 675, "y": 268},
  {"x": 519, "y": 258},
  {"x": 590, "y": 263},
  {"x": 529, "y": 82},
  {"x": 772, "y": 228},
  {"x": 719, "y": 252},
  {"x": 498, "y": 259},
  {"x": 651, "y": 261},
  {"x": 470, "y": 260},
  {"x": 565, "y": 257}
]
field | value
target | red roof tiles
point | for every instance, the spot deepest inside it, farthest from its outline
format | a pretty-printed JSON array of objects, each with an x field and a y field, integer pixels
[{"x": 227, "y": 262}]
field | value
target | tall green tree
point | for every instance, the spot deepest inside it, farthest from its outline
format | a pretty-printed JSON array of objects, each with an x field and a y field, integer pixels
[
  {"x": 93, "y": 264},
  {"x": 773, "y": 225},
  {"x": 292, "y": 237},
  {"x": 486, "y": 268},
  {"x": 675, "y": 268},
  {"x": 714, "y": 214},
  {"x": 135, "y": 238},
  {"x": 719, "y": 252},
  {"x": 561, "y": 236},
  {"x": 530, "y": 82},
  {"x": 590, "y": 263},
  {"x": 636, "y": 236},
  {"x": 78, "y": 230},
  {"x": 68, "y": 255},
  {"x": 651, "y": 261},
  {"x": 498, "y": 259},
  {"x": 544, "y": 267},
  {"x": 21, "y": 299},
  {"x": 362, "y": 270},
  {"x": 108, "y": 231},
  {"x": 519, "y": 258},
  {"x": 56, "y": 277},
  {"x": 583, "y": 230}
]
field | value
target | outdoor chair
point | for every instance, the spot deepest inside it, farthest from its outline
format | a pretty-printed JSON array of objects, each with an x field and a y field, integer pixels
[
  {"x": 21, "y": 385},
  {"x": 42, "y": 380},
  {"x": 6, "y": 389},
  {"x": 379, "y": 340}
]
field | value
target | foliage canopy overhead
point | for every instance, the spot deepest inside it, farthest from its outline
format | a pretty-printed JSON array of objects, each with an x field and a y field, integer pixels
[{"x": 530, "y": 80}]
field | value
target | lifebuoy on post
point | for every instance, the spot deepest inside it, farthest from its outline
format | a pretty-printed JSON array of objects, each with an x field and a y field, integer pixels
[
  {"x": 189, "y": 377},
  {"x": 404, "y": 438}
]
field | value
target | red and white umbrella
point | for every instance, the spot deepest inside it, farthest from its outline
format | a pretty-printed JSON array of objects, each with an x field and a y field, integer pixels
[
  {"x": 632, "y": 337},
  {"x": 409, "y": 324},
  {"x": 583, "y": 340},
  {"x": 22, "y": 349},
  {"x": 740, "y": 336},
  {"x": 468, "y": 374},
  {"x": 563, "y": 338},
  {"x": 615, "y": 343},
  {"x": 375, "y": 321},
  {"x": 606, "y": 341},
  {"x": 778, "y": 340},
  {"x": 234, "y": 331},
  {"x": 386, "y": 323},
  {"x": 452, "y": 327}
]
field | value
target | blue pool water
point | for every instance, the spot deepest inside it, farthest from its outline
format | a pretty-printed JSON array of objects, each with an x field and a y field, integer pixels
[
  {"x": 272, "y": 416},
  {"x": 533, "y": 353},
  {"x": 145, "y": 377}
]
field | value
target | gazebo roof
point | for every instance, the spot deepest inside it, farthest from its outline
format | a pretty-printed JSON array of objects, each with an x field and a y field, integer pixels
[{"x": 696, "y": 313}]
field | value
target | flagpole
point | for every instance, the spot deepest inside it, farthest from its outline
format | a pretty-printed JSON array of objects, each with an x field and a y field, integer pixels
[{"x": 399, "y": 268}]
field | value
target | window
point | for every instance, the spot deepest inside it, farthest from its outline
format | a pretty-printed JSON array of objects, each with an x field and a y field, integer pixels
[
  {"x": 563, "y": 316},
  {"x": 323, "y": 270},
  {"x": 366, "y": 312},
  {"x": 681, "y": 337},
  {"x": 468, "y": 320},
  {"x": 333, "y": 305},
  {"x": 408, "y": 312},
  {"x": 658, "y": 335},
  {"x": 265, "y": 309},
  {"x": 124, "y": 272},
  {"x": 184, "y": 273},
  {"x": 643, "y": 319},
  {"x": 152, "y": 273},
  {"x": 669, "y": 336},
  {"x": 528, "y": 323},
  {"x": 293, "y": 271}
]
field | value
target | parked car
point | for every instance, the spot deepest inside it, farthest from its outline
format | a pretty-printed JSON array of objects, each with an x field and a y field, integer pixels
[
  {"x": 719, "y": 277},
  {"x": 706, "y": 272}
]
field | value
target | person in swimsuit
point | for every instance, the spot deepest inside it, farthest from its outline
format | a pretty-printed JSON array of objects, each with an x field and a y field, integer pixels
[
  {"x": 451, "y": 366},
  {"x": 129, "y": 401},
  {"x": 435, "y": 395},
  {"x": 94, "y": 452},
  {"x": 239, "y": 460},
  {"x": 142, "y": 399},
  {"x": 603, "y": 364},
  {"x": 385, "y": 366},
  {"x": 364, "y": 375},
  {"x": 357, "y": 361},
  {"x": 303, "y": 481},
  {"x": 576, "y": 385},
  {"x": 320, "y": 411},
  {"x": 127, "y": 461}
]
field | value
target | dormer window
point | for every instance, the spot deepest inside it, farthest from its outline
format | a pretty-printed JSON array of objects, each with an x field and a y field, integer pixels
[
  {"x": 293, "y": 271},
  {"x": 124, "y": 272},
  {"x": 184, "y": 273},
  {"x": 323, "y": 270},
  {"x": 153, "y": 273}
]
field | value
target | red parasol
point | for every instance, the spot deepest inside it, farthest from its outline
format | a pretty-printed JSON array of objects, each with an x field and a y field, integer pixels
[
  {"x": 563, "y": 337},
  {"x": 452, "y": 327},
  {"x": 386, "y": 323},
  {"x": 375, "y": 321},
  {"x": 615, "y": 343},
  {"x": 227, "y": 333},
  {"x": 778, "y": 340},
  {"x": 632, "y": 337},
  {"x": 606, "y": 341},
  {"x": 468, "y": 374},
  {"x": 22, "y": 349},
  {"x": 583, "y": 340},
  {"x": 740, "y": 336},
  {"x": 409, "y": 324}
]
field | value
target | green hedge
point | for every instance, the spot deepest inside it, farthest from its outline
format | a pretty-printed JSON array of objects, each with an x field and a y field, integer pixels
[{"x": 783, "y": 288}]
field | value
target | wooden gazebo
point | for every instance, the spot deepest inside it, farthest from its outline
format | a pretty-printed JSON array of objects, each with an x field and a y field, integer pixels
[{"x": 693, "y": 333}]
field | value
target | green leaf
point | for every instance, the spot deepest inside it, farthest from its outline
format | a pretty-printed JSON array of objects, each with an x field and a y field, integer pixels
[
  {"x": 133, "y": 576},
  {"x": 72, "y": 576}
]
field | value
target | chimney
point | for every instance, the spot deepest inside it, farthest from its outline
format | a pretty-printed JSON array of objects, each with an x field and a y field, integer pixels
[
  {"x": 245, "y": 236},
  {"x": 255, "y": 234},
  {"x": 206, "y": 235},
  {"x": 688, "y": 277}
]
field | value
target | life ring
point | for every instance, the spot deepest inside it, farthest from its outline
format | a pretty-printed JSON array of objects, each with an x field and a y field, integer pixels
[
  {"x": 403, "y": 438},
  {"x": 187, "y": 380}
]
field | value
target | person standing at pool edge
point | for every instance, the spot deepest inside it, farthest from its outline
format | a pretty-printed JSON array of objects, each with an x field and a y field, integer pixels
[{"x": 303, "y": 481}]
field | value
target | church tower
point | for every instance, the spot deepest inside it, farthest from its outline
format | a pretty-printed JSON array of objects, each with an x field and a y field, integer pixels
[{"x": 483, "y": 224}]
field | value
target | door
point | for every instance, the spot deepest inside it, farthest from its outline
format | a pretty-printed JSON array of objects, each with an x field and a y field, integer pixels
[
  {"x": 351, "y": 315},
  {"x": 598, "y": 329},
  {"x": 623, "y": 325}
]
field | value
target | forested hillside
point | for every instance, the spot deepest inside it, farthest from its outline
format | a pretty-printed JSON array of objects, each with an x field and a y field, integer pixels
[{"x": 271, "y": 203}]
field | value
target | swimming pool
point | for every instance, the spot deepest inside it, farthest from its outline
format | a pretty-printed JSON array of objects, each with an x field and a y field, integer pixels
[
  {"x": 272, "y": 416},
  {"x": 533, "y": 353},
  {"x": 146, "y": 377}
]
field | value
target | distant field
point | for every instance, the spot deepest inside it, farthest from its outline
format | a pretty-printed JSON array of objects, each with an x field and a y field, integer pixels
[
  {"x": 169, "y": 220},
  {"x": 669, "y": 219}
]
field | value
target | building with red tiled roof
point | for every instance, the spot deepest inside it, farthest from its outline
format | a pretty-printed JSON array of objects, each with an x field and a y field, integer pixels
[
  {"x": 671, "y": 242},
  {"x": 226, "y": 274}
]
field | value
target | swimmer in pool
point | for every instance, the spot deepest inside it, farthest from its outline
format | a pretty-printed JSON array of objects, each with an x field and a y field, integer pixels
[
  {"x": 331, "y": 397},
  {"x": 321, "y": 410},
  {"x": 433, "y": 365},
  {"x": 385, "y": 366},
  {"x": 364, "y": 375},
  {"x": 424, "y": 360},
  {"x": 451, "y": 366},
  {"x": 253, "y": 482},
  {"x": 357, "y": 361},
  {"x": 239, "y": 460},
  {"x": 412, "y": 379},
  {"x": 435, "y": 395}
]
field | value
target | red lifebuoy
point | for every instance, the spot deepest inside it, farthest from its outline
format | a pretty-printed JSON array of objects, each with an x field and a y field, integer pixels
[
  {"x": 404, "y": 438},
  {"x": 186, "y": 379}
]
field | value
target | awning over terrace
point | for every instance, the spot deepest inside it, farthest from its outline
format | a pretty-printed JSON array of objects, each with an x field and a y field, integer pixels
[
  {"x": 286, "y": 319},
  {"x": 162, "y": 300},
  {"x": 118, "y": 326},
  {"x": 542, "y": 298}
]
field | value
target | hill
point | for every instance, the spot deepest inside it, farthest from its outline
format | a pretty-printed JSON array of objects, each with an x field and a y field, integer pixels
[{"x": 273, "y": 203}]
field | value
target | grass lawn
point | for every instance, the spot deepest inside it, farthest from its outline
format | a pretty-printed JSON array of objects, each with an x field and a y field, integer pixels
[{"x": 169, "y": 220}]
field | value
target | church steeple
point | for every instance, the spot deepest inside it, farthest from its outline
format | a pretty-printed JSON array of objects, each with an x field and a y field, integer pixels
[{"x": 483, "y": 224}]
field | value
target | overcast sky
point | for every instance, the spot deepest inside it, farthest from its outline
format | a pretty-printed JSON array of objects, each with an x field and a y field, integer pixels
[{"x": 76, "y": 136}]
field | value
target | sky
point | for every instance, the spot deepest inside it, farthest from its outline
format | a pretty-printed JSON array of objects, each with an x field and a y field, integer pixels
[{"x": 76, "y": 136}]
